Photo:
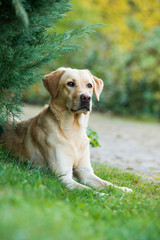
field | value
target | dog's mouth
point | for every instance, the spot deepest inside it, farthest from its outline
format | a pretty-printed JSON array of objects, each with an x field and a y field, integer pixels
[{"x": 81, "y": 109}]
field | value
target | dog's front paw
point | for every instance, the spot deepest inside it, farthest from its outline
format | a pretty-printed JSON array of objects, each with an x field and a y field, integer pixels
[{"x": 125, "y": 189}]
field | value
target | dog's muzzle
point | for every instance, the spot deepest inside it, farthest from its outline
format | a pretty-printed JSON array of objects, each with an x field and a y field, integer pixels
[
  {"x": 85, "y": 103},
  {"x": 85, "y": 100}
]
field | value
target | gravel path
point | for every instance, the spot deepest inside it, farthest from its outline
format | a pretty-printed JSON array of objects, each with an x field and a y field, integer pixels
[{"x": 130, "y": 145}]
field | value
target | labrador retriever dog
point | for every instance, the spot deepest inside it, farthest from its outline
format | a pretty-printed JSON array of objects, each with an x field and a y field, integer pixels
[{"x": 57, "y": 135}]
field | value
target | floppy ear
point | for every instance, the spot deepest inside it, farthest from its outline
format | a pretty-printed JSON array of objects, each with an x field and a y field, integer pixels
[
  {"x": 51, "y": 82},
  {"x": 97, "y": 86}
]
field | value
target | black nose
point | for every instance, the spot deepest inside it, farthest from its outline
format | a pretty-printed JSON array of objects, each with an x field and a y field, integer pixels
[{"x": 85, "y": 98}]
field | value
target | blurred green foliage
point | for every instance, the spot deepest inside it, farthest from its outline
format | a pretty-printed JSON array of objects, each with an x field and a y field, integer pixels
[
  {"x": 132, "y": 78},
  {"x": 93, "y": 136},
  {"x": 130, "y": 71}
]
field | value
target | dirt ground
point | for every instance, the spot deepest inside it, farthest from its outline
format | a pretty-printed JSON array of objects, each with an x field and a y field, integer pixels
[{"x": 131, "y": 145}]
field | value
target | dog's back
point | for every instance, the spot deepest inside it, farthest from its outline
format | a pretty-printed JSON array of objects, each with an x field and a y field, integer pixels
[
  {"x": 26, "y": 138},
  {"x": 13, "y": 136}
]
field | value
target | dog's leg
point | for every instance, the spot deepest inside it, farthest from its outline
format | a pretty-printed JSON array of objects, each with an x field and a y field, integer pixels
[
  {"x": 87, "y": 176},
  {"x": 70, "y": 183},
  {"x": 62, "y": 166}
]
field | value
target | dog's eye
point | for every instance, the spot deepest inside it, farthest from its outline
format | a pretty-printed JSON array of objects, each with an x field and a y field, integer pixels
[
  {"x": 89, "y": 85},
  {"x": 71, "y": 84}
]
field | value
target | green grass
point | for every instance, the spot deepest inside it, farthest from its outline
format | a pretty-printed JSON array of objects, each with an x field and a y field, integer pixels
[{"x": 35, "y": 205}]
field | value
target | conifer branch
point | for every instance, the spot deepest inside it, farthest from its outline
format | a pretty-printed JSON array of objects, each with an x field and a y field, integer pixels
[{"x": 21, "y": 13}]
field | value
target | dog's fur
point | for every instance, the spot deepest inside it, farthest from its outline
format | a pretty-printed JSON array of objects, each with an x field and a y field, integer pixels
[{"x": 57, "y": 135}]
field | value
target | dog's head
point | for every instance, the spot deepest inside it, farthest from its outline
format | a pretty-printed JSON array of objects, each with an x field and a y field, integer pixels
[{"x": 73, "y": 89}]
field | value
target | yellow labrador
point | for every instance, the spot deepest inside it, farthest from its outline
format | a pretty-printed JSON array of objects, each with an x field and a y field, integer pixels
[{"x": 57, "y": 135}]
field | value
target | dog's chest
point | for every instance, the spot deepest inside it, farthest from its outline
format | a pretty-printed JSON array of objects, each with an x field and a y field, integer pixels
[
  {"x": 78, "y": 146},
  {"x": 69, "y": 140},
  {"x": 73, "y": 145}
]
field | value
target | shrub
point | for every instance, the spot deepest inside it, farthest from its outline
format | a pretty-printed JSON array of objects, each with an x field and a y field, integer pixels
[{"x": 28, "y": 41}]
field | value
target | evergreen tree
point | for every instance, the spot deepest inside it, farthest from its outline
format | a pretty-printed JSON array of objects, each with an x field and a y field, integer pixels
[{"x": 27, "y": 41}]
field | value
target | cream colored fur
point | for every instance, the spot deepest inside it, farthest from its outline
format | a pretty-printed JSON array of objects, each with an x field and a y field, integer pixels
[{"x": 57, "y": 136}]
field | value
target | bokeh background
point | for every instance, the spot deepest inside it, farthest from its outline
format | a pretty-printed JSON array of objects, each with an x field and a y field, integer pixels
[{"x": 125, "y": 53}]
